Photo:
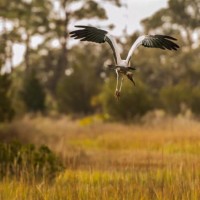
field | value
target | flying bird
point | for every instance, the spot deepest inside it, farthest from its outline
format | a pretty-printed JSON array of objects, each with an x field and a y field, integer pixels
[{"x": 93, "y": 34}]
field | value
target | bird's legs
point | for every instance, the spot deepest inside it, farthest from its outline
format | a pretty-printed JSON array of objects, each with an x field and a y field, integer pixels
[
  {"x": 118, "y": 90},
  {"x": 119, "y": 87},
  {"x": 117, "y": 80},
  {"x": 121, "y": 84}
]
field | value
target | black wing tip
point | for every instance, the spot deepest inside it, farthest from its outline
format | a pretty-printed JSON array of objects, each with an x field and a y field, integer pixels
[
  {"x": 83, "y": 26},
  {"x": 88, "y": 33},
  {"x": 169, "y": 37},
  {"x": 165, "y": 37},
  {"x": 89, "y": 27},
  {"x": 77, "y": 26},
  {"x": 77, "y": 31},
  {"x": 168, "y": 40}
]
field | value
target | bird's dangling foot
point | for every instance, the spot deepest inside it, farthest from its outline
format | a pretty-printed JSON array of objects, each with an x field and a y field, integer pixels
[{"x": 117, "y": 94}]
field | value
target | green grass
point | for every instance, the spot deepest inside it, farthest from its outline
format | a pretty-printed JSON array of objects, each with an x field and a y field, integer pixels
[{"x": 110, "y": 161}]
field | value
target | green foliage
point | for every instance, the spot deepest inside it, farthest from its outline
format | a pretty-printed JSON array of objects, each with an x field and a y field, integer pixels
[
  {"x": 189, "y": 12},
  {"x": 76, "y": 89},
  {"x": 89, "y": 10},
  {"x": 187, "y": 20},
  {"x": 73, "y": 96},
  {"x": 86, "y": 10},
  {"x": 28, "y": 161},
  {"x": 6, "y": 111},
  {"x": 33, "y": 94},
  {"x": 173, "y": 96},
  {"x": 174, "y": 76},
  {"x": 74, "y": 93},
  {"x": 33, "y": 16},
  {"x": 194, "y": 100},
  {"x": 134, "y": 102}
]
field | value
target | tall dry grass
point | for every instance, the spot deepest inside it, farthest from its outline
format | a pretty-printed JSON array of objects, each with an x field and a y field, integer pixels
[{"x": 155, "y": 160}]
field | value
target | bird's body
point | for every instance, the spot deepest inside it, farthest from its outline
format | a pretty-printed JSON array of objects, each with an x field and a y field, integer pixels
[{"x": 122, "y": 66}]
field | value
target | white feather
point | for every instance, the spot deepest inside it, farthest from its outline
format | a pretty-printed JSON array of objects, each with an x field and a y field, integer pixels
[
  {"x": 136, "y": 44},
  {"x": 116, "y": 48}
]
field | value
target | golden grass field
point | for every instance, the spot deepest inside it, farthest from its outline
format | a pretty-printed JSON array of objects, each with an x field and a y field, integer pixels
[{"x": 111, "y": 161}]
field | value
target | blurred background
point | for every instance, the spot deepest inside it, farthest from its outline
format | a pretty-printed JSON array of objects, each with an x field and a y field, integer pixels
[{"x": 44, "y": 71}]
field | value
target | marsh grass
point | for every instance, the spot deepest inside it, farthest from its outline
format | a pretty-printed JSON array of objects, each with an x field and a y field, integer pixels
[
  {"x": 166, "y": 183},
  {"x": 158, "y": 160}
]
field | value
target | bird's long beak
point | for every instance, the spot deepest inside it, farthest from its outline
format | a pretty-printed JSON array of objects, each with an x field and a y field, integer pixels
[{"x": 130, "y": 77}]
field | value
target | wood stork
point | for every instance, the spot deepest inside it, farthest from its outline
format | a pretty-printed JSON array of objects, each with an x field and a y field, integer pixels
[{"x": 92, "y": 34}]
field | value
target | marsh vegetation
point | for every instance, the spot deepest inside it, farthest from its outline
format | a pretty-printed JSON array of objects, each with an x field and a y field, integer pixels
[{"x": 101, "y": 160}]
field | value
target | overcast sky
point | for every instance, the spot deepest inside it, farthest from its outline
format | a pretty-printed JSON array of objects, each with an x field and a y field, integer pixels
[
  {"x": 135, "y": 11},
  {"x": 127, "y": 17}
]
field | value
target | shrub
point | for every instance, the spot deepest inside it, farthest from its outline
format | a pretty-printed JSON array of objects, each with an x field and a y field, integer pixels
[{"x": 28, "y": 161}]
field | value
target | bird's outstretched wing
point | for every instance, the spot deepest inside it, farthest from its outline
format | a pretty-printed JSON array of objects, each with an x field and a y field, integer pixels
[
  {"x": 92, "y": 34},
  {"x": 153, "y": 41}
]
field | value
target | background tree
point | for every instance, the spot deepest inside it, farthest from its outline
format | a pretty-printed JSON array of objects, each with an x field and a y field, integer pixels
[
  {"x": 83, "y": 80},
  {"x": 33, "y": 94},
  {"x": 182, "y": 16},
  {"x": 64, "y": 15},
  {"x": 52, "y": 68},
  {"x": 6, "y": 111},
  {"x": 169, "y": 75},
  {"x": 27, "y": 19},
  {"x": 32, "y": 19},
  {"x": 66, "y": 74},
  {"x": 42, "y": 19}
]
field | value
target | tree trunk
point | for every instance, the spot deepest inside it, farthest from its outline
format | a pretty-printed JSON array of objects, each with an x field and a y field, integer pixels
[
  {"x": 27, "y": 53},
  {"x": 62, "y": 60}
]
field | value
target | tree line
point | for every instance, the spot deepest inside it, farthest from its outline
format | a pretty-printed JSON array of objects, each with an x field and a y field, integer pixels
[{"x": 72, "y": 79}]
